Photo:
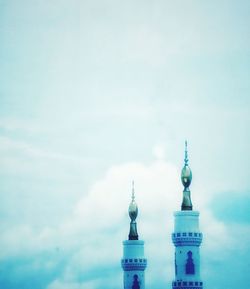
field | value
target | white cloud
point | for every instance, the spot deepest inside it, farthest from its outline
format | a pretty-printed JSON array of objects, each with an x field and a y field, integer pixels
[
  {"x": 92, "y": 236},
  {"x": 100, "y": 219}
]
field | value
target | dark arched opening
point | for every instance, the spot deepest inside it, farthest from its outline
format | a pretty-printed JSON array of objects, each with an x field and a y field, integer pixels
[
  {"x": 190, "y": 264},
  {"x": 136, "y": 284}
]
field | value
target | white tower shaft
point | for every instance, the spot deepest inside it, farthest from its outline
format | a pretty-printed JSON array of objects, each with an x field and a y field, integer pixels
[
  {"x": 133, "y": 264},
  {"x": 187, "y": 239}
]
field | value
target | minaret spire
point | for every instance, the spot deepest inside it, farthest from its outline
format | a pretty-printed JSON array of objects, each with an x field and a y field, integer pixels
[
  {"x": 186, "y": 178},
  {"x": 133, "y": 212}
]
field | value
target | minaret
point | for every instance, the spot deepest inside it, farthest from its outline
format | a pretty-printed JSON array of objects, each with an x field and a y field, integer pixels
[
  {"x": 133, "y": 261},
  {"x": 187, "y": 238}
]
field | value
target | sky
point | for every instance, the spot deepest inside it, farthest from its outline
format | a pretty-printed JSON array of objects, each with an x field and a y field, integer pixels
[{"x": 95, "y": 94}]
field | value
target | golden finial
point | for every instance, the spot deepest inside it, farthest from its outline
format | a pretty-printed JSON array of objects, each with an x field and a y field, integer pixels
[
  {"x": 186, "y": 178},
  {"x": 133, "y": 212}
]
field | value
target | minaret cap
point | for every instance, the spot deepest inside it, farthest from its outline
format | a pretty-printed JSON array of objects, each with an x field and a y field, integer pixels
[
  {"x": 133, "y": 212},
  {"x": 186, "y": 178},
  {"x": 186, "y": 174}
]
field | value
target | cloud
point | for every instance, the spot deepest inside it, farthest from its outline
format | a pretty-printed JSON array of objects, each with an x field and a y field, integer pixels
[
  {"x": 102, "y": 219},
  {"x": 232, "y": 207},
  {"x": 90, "y": 239},
  {"x": 25, "y": 158}
]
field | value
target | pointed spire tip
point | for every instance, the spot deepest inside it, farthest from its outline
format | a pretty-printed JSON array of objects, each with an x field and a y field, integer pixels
[
  {"x": 133, "y": 191},
  {"x": 186, "y": 153}
]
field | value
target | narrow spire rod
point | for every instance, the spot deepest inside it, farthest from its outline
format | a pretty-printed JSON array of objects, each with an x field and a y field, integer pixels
[
  {"x": 186, "y": 154},
  {"x": 133, "y": 191}
]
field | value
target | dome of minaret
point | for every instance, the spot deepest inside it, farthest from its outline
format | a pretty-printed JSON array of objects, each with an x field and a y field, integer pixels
[
  {"x": 186, "y": 176},
  {"x": 133, "y": 210}
]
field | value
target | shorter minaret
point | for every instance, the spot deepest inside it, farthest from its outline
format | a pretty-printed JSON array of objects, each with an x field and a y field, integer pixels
[
  {"x": 187, "y": 238},
  {"x": 133, "y": 261}
]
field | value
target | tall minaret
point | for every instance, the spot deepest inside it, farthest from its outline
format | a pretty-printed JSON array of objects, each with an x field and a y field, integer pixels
[
  {"x": 187, "y": 238},
  {"x": 133, "y": 261}
]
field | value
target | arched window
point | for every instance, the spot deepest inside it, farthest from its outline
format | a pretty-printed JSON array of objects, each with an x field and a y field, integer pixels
[
  {"x": 136, "y": 284},
  {"x": 190, "y": 264}
]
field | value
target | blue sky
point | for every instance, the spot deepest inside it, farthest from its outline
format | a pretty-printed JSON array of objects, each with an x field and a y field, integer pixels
[{"x": 95, "y": 94}]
